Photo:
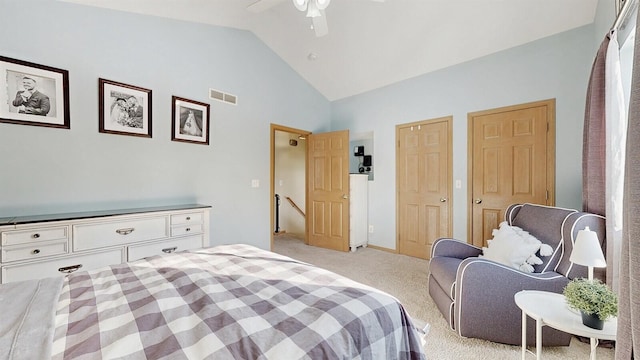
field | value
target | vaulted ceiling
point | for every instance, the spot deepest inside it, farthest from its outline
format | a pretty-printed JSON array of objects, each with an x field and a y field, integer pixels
[{"x": 372, "y": 44}]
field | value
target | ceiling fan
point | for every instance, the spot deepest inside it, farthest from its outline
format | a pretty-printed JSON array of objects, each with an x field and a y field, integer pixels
[{"x": 314, "y": 9}]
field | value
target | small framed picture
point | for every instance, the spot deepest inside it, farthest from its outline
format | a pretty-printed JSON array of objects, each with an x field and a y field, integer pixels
[
  {"x": 32, "y": 94},
  {"x": 124, "y": 109},
  {"x": 190, "y": 121}
]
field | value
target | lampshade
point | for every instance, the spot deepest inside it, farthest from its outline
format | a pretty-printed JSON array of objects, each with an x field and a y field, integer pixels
[
  {"x": 312, "y": 7},
  {"x": 587, "y": 250},
  {"x": 300, "y": 4},
  {"x": 322, "y": 4}
]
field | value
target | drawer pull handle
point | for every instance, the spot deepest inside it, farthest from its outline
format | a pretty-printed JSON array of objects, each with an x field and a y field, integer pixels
[
  {"x": 187, "y": 229},
  {"x": 126, "y": 231},
  {"x": 188, "y": 218},
  {"x": 35, "y": 251},
  {"x": 35, "y": 236},
  {"x": 70, "y": 269},
  {"x": 169, "y": 250}
]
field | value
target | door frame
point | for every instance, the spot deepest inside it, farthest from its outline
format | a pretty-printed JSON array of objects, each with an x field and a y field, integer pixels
[
  {"x": 272, "y": 177},
  {"x": 449, "y": 120},
  {"x": 551, "y": 153}
]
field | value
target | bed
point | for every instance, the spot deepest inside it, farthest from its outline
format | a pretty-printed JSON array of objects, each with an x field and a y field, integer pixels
[{"x": 225, "y": 302}]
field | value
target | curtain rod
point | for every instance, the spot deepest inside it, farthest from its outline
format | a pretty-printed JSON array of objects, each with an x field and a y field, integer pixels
[{"x": 624, "y": 13}]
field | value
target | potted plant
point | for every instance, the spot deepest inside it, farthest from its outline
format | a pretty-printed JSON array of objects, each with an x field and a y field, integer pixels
[{"x": 595, "y": 301}]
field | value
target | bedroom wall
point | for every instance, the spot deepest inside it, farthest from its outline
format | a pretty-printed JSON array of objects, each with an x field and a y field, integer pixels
[
  {"x": 604, "y": 19},
  {"x": 554, "y": 67},
  {"x": 47, "y": 170}
]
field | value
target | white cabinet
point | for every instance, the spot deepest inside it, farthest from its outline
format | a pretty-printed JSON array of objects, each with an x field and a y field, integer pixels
[
  {"x": 48, "y": 245},
  {"x": 358, "y": 210}
]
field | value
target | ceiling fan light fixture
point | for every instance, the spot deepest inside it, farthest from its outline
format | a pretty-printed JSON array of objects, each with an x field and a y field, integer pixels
[
  {"x": 300, "y": 4},
  {"x": 321, "y": 4},
  {"x": 312, "y": 9}
]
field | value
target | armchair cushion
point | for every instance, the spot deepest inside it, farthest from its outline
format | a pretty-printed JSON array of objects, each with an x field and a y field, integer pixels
[
  {"x": 444, "y": 269},
  {"x": 545, "y": 223}
]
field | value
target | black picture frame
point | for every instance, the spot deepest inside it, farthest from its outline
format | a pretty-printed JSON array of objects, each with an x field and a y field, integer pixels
[
  {"x": 33, "y": 94},
  {"x": 190, "y": 121},
  {"x": 124, "y": 109}
]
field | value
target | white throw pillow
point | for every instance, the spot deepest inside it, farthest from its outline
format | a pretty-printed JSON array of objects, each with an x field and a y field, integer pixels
[{"x": 515, "y": 247}]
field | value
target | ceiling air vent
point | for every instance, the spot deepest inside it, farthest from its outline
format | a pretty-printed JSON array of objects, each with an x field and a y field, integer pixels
[{"x": 224, "y": 97}]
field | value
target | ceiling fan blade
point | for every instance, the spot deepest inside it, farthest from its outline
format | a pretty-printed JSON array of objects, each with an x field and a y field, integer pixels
[
  {"x": 262, "y": 5},
  {"x": 320, "y": 24}
]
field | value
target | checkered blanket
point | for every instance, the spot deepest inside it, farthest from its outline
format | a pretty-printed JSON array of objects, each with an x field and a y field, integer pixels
[{"x": 227, "y": 302}]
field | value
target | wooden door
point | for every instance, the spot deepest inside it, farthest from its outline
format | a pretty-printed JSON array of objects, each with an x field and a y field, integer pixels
[
  {"x": 424, "y": 176},
  {"x": 328, "y": 190},
  {"x": 511, "y": 160}
]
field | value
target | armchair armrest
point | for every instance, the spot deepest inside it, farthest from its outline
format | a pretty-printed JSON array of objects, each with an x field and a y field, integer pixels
[
  {"x": 454, "y": 248},
  {"x": 485, "y": 288}
]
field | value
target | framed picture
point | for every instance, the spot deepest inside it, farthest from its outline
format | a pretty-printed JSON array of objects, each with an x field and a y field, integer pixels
[
  {"x": 190, "y": 121},
  {"x": 32, "y": 94},
  {"x": 124, "y": 109}
]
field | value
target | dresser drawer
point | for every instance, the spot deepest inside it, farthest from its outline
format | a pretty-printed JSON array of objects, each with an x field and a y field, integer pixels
[
  {"x": 186, "y": 229},
  {"x": 164, "y": 247},
  {"x": 97, "y": 235},
  {"x": 58, "y": 266},
  {"x": 15, "y": 237},
  {"x": 188, "y": 218},
  {"x": 35, "y": 250}
]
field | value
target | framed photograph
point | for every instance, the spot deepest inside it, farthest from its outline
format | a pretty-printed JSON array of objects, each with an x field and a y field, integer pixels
[
  {"x": 190, "y": 121},
  {"x": 124, "y": 109},
  {"x": 32, "y": 94}
]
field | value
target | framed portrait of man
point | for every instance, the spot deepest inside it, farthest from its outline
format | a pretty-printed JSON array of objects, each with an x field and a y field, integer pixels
[{"x": 33, "y": 94}]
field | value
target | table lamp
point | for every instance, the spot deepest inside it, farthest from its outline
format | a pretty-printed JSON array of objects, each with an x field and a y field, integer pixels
[{"x": 587, "y": 251}]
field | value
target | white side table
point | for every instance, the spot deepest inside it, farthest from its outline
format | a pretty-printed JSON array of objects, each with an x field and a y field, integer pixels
[{"x": 551, "y": 309}]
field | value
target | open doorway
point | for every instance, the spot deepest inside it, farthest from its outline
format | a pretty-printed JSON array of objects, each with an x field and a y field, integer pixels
[{"x": 288, "y": 182}]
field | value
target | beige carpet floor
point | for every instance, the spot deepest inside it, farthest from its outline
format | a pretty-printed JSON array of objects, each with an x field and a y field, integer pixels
[{"x": 406, "y": 278}]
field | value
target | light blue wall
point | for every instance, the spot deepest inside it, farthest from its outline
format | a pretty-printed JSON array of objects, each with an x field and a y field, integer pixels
[
  {"x": 45, "y": 170},
  {"x": 555, "y": 67},
  {"x": 605, "y": 17},
  {"x": 51, "y": 170}
]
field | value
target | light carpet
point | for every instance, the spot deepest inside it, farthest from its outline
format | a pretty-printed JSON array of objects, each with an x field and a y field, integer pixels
[{"x": 405, "y": 278}]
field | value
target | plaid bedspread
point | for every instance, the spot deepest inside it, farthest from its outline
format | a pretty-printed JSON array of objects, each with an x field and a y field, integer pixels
[{"x": 227, "y": 302}]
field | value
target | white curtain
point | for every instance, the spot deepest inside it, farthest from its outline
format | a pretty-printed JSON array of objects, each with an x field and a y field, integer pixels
[
  {"x": 628, "y": 338},
  {"x": 616, "y": 127}
]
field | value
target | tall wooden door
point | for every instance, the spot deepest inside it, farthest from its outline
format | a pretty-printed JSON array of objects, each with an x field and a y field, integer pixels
[
  {"x": 328, "y": 190},
  {"x": 511, "y": 160},
  {"x": 424, "y": 177}
]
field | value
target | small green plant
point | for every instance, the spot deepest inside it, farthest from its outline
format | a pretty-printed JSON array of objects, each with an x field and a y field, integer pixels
[{"x": 591, "y": 297}]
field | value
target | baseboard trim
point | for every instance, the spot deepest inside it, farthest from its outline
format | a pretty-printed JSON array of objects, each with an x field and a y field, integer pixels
[{"x": 393, "y": 251}]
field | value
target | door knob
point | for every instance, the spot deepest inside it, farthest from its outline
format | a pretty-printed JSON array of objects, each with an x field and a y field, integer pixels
[
  {"x": 345, "y": 196},
  {"x": 478, "y": 201},
  {"x": 443, "y": 199}
]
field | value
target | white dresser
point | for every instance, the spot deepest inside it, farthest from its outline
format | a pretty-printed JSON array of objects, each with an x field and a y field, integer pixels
[
  {"x": 358, "y": 210},
  {"x": 48, "y": 245}
]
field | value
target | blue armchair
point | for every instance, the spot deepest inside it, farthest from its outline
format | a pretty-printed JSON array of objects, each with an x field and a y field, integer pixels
[{"x": 475, "y": 295}]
